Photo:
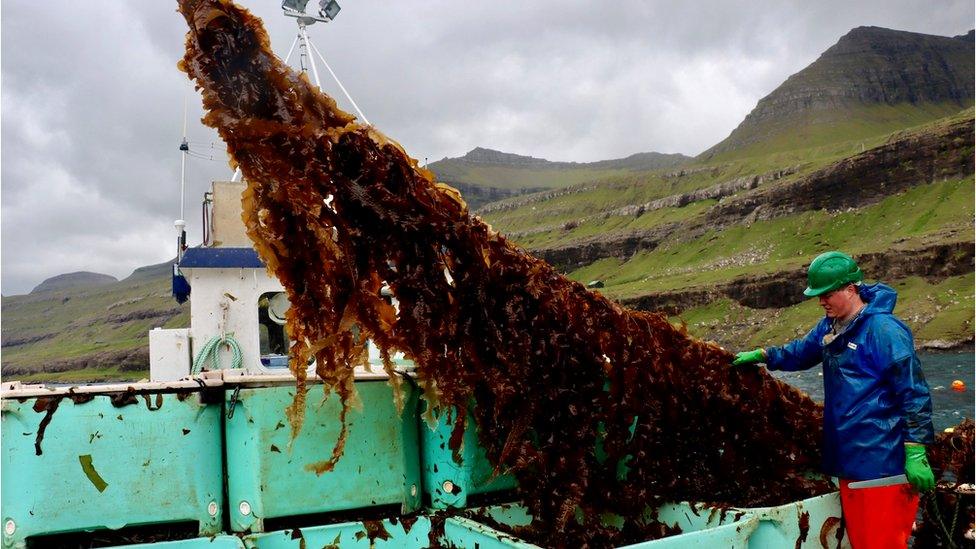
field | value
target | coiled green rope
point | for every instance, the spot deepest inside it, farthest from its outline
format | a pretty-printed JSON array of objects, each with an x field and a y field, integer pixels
[{"x": 210, "y": 353}]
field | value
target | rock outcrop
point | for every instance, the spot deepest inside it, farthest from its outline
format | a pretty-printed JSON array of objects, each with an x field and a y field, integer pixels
[
  {"x": 126, "y": 360},
  {"x": 867, "y": 178},
  {"x": 720, "y": 190},
  {"x": 477, "y": 196},
  {"x": 863, "y": 179},
  {"x": 785, "y": 288},
  {"x": 534, "y": 198}
]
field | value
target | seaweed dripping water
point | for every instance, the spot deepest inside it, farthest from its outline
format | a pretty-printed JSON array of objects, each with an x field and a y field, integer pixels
[{"x": 551, "y": 371}]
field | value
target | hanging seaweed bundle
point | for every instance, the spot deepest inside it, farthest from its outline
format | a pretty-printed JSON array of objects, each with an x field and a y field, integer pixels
[{"x": 595, "y": 408}]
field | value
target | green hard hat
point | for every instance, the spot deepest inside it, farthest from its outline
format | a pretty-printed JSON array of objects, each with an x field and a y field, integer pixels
[{"x": 830, "y": 271}]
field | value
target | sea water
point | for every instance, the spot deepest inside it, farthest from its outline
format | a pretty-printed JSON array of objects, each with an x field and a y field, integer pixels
[{"x": 941, "y": 369}]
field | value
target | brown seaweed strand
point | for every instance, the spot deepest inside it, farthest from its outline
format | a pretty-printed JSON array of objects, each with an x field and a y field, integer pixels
[{"x": 551, "y": 368}]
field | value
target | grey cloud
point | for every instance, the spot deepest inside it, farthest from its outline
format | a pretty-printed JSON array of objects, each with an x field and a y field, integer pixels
[{"x": 92, "y": 103}]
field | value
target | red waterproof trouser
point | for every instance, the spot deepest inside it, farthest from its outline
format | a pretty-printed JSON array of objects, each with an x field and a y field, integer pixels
[{"x": 878, "y": 517}]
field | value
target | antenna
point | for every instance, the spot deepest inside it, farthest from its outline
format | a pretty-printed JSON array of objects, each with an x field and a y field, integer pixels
[
  {"x": 180, "y": 223},
  {"x": 181, "y": 289}
]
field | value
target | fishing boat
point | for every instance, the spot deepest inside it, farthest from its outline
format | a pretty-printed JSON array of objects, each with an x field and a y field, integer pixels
[{"x": 202, "y": 454}]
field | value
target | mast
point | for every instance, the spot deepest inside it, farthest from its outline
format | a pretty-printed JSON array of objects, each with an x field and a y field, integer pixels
[{"x": 180, "y": 223}]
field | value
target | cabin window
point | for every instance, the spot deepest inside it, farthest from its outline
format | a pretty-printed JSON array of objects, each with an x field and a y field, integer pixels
[{"x": 271, "y": 329}]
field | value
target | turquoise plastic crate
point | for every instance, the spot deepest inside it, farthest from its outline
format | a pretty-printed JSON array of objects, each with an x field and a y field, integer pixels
[
  {"x": 459, "y": 532},
  {"x": 701, "y": 526},
  {"x": 780, "y": 526},
  {"x": 110, "y": 461},
  {"x": 468, "y": 534},
  {"x": 216, "y": 542},
  {"x": 448, "y": 482},
  {"x": 267, "y": 478},
  {"x": 344, "y": 535}
]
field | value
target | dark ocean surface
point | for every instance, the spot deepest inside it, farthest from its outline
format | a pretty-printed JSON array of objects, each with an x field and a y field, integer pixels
[{"x": 948, "y": 407}]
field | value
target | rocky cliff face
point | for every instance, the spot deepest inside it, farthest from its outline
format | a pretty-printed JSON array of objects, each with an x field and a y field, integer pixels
[
  {"x": 783, "y": 289},
  {"x": 914, "y": 159},
  {"x": 477, "y": 196},
  {"x": 876, "y": 65},
  {"x": 867, "y": 66},
  {"x": 535, "y": 198},
  {"x": 719, "y": 190},
  {"x": 862, "y": 179}
]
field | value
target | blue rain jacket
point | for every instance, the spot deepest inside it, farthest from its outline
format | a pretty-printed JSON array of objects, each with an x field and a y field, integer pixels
[{"x": 875, "y": 396}]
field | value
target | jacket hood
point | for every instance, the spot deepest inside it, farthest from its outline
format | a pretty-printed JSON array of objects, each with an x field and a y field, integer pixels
[{"x": 879, "y": 297}]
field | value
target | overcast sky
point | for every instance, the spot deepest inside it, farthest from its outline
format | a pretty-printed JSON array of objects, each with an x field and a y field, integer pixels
[{"x": 92, "y": 102}]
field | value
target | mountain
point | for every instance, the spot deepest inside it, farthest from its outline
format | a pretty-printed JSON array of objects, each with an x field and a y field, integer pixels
[
  {"x": 873, "y": 80},
  {"x": 490, "y": 157},
  {"x": 486, "y": 175},
  {"x": 73, "y": 280}
]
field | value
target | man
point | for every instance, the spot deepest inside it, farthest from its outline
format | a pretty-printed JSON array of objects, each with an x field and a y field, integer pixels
[{"x": 877, "y": 407}]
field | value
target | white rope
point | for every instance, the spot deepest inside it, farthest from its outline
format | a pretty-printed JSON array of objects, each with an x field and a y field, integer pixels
[
  {"x": 291, "y": 49},
  {"x": 343, "y": 88}
]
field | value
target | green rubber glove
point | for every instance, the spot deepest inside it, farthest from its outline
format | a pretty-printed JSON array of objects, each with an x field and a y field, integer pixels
[
  {"x": 917, "y": 468},
  {"x": 749, "y": 357}
]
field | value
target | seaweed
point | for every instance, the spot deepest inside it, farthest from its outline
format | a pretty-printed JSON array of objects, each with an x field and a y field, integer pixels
[
  {"x": 340, "y": 213},
  {"x": 949, "y": 511},
  {"x": 374, "y": 529},
  {"x": 48, "y": 405}
]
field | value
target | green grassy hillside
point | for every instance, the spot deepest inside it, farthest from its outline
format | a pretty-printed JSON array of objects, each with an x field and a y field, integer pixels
[
  {"x": 852, "y": 127},
  {"x": 929, "y": 213},
  {"x": 575, "y": 216},
  {"x": 88, "y": 333}
]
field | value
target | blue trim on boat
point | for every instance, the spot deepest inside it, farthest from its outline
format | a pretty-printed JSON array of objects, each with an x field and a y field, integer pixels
[{"x": 219, "y": 258}]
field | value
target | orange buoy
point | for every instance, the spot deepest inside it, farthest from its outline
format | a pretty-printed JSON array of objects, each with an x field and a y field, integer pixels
[{"x": 958, "y": 385}]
